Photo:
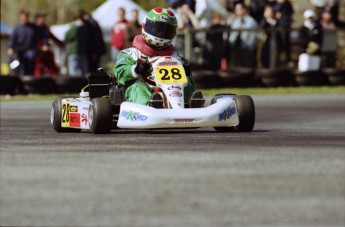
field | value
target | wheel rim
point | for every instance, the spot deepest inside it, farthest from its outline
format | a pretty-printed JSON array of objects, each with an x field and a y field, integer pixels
[
  {"x": 52, "y": 115},
  {"x": 90, "y": 115}
]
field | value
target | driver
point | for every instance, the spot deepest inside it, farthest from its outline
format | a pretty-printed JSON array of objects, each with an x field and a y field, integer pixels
[{"x": 158, "y": 31}]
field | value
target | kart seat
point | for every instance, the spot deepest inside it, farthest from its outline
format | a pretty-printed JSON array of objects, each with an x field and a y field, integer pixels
[{"x": 99, "y": 83}]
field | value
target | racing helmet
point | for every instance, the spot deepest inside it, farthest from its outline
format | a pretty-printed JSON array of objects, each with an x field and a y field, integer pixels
[{"x": 159, "y": 28}]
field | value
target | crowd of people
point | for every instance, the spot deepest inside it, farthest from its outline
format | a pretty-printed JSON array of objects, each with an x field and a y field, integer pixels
[
  {"x": 265, "y": 22},
  {"x": 260, "y": 32},
  {"x": 30, "y": 46}
]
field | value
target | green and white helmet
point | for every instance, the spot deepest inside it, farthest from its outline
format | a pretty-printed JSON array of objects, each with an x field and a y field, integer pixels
[{"x": 159, "y": 28}]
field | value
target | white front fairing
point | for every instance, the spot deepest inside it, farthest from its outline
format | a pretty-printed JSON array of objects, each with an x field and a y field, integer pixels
[{"x": 221, "y": 114}]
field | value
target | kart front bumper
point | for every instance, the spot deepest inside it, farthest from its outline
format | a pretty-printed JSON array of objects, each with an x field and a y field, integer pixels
[{"x": 221, "y": 114}]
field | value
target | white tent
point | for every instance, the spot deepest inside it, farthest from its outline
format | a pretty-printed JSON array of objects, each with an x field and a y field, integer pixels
[{"x": 106, "y": 16}]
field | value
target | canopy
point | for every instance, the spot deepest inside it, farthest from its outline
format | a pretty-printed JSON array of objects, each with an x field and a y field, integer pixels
[{"x": 106, "y": 16}]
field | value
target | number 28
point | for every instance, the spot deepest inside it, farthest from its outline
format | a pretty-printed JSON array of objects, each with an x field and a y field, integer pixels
[
  {"x": 174, "y": 73},
  {"x": 65, "y": 113}
]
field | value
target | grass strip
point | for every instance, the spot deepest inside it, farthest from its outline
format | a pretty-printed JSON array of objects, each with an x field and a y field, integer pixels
[
  {"x": 207, "y": 92},
  {"x": 276, "y": 91},
  {"x": 33, "y": 97}
]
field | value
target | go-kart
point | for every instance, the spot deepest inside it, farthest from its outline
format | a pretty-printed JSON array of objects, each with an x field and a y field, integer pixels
[{"x": 102, "y": 108}]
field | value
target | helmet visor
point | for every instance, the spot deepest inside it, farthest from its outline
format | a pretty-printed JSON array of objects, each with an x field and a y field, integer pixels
[{"x": 160, "y": 29}]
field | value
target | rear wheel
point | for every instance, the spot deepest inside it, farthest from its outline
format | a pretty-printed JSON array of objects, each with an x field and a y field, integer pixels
[
  {"x": 246, "y": 114},
  {"x": 56, "y": 115},
  {"x": 100, "y": 116}
]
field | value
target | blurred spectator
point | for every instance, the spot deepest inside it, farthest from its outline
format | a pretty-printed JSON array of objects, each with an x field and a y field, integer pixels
[
  {"x": 190, "y": 3},
  {"x": 328, "y": 5},
  {"x": 327, "y": 21},
  {"x": 133, "y": 28},
  {"x": 97, "y": 45},
  {"x": 335, "y": 12},
  {"x": 215, "y": 47},
  {"x": 45, "y": 61},
  {"x": 23, "y": 44},
  {"x": 77, "y": 41},
  {"x": 284, "y": 12},
  {"x": 185, "y": 19},
  {"x": 270, "y": 24},
  {"x": 310, "y": 34},
  {"x": 243, "y": 43},
  {"x": 174, "y": 4},
  {"x": 204, "y": 10},
  {"x": 256, "y": 9},
  {"x": 118, "y": 34},
  {"x": 322, "y": 5},
  {"x": 329, "y": 45},
  {"x": 230, "y": 4}
]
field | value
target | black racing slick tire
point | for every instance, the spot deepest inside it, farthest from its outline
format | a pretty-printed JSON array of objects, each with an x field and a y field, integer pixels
[
  {"x": 56, "y": 116},
  {"x": 336, "y": 76},
  {"x": 275, "y": 77},
  {"x": 40, "y": 85},
  {"x": 100, "y": 116},
  {"x": 246, "y": 114},
  {"x": 310, "y": 78},
  {"x": 238, "y": 77},
  {"x": 8, "y": 84}
]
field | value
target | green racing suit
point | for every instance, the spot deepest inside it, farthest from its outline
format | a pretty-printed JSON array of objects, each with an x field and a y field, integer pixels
[{"x": 137, "y": 90}]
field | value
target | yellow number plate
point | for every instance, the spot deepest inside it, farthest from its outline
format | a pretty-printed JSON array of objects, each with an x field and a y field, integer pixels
[
  {"x": 65, "y": 114},
  {"x": 170, "y": 74}
]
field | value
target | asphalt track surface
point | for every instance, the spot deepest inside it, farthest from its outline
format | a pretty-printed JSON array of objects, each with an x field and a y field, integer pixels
[{"x": 290, "y": 171}]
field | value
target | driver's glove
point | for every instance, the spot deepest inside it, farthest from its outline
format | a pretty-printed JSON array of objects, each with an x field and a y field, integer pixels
[{"x": 143, "y": 68}]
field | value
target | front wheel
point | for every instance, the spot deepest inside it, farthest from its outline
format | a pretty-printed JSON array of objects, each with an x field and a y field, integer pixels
[
  {"x": 246, "y": 115},
  {"x": 100, "y": 116}
]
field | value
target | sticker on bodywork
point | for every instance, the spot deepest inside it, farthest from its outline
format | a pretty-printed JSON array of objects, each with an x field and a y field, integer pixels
[
  {"x": 226, "y": 114},
  {"x": 170, "y": 74},
  {"x": 74, "y": 119},
  {"x": 65, "y": 114},
  {"x": 69, "y": 116},
  {"x": 133, "y": 116}
]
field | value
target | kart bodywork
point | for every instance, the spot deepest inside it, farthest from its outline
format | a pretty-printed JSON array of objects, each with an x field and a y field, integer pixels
[{"x": 103, "y": 108}]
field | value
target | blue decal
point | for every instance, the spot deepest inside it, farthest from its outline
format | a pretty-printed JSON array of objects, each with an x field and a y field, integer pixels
[
  {"x": 226, "y": 114},
  {"x": 133, "y": 116}
]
